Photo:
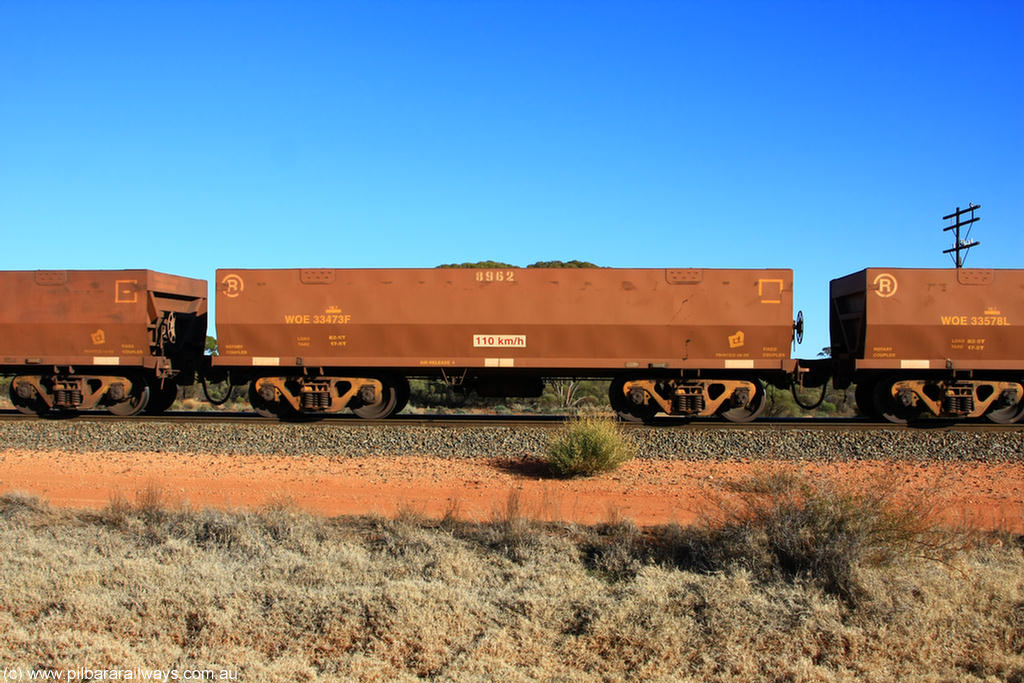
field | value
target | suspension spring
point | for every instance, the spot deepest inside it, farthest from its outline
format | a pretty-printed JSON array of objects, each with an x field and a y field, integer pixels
[
  {"x": 688, "y": 403},
  {"x": 67, "y": 398},
  {"x": 315, "y": 400},
  {"x": 958, "y": 404}
]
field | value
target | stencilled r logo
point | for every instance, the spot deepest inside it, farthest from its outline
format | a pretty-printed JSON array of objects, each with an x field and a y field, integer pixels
[
  {"x": 232, "y": 285},
  {"x": 885, "y": 285}
]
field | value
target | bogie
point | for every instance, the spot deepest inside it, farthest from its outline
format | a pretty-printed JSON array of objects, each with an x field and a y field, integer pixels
[
  {"x": 124, "y": 396},
  {"x": 904, "y": 399},
  {"x": 735, "y": 399},
  {"x": 293, "y": 396}
]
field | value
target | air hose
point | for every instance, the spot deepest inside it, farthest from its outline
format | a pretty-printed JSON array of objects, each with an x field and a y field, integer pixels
[
  {"x": 821, "y": 399},
  {"x": 227, "y": 395}
]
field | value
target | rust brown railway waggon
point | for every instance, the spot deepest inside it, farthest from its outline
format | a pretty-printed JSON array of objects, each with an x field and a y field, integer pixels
[
  {"x": 939, "y": 342},
  {"x": 681, "y": 341},
  {"x": 81, "y": 339},
  {"x": 695, "y": 342}
]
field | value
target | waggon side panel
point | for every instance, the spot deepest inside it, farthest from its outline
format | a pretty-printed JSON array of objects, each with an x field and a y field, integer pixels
[
  {"x": 529, "y": 318},
  {"x": 88, "y": 318},
  {"x": 966, "y": 319}
]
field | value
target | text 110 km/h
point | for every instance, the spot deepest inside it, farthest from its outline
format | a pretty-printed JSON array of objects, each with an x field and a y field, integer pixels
[{"x": 517, "y": 341}]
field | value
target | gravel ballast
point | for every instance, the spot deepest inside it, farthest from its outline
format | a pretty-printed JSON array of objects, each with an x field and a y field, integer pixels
[{"x": 339, "y": 440}]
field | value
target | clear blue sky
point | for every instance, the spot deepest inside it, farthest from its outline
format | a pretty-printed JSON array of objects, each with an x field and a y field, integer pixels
[{"x": 821, "y": 136}]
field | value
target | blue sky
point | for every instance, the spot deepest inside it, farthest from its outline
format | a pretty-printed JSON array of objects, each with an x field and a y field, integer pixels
[{"x": 822, "y": 136}]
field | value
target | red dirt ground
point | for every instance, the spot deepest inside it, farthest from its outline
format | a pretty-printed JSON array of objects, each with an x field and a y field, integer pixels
[{"x": 646, "y": 492}]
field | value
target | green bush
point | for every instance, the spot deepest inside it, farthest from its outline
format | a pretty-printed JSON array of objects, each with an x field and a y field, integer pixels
[{"x": 586, "y": 446}]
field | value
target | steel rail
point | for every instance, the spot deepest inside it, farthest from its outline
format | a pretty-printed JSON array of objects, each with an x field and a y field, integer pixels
[{"x": 518, "y": 421}]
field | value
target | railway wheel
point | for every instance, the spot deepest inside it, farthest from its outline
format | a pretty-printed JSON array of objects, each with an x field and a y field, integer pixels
[
  {"x": 893, "y": 408},
  {"x": 31, "y": 404},
  {"x": 385, "y": 405},
  {"x": 134, "y": 400},
  {"x": 864, "y": 395},
  {"x": 1008, "y": 414},
  {"x": 262, "y": 406},
  {"x": 754, "y": 407},
  {"x": 161, "y": 397},
  {"x": 404, "y": 392},
  {"x": 627, "y": 410}
]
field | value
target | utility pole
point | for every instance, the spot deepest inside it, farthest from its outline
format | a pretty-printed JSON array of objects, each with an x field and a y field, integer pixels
[{"x": 961, "y": 245}]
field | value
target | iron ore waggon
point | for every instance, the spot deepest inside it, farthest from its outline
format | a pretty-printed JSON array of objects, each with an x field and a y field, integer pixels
[
  {"x": 678, "y": 341},
  {"x": 681, "y": 341},
  {"x": 116, "y": 339},
  {"x": 931, "y": 342}
]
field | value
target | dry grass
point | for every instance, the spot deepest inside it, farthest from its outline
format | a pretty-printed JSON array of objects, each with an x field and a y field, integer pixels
[
  {"x": 782, "y": 522},
  {"x": 280, "y": 595}
]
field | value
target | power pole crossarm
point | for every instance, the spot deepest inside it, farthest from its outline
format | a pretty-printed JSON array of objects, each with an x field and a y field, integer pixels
[{"x": 961, "y": 245}]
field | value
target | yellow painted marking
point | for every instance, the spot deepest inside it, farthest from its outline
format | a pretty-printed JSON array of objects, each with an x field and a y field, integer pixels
[
  {"x": 318, "y": 319},
  {"x": 233, "y": 285},
  {"x": 987, "y": 320},
  {"x": 886, "y": 285},
  {"x": 495, "y": 276},
  {"x": 126, "y": 291},
  {"x": 770, "y": 287}
]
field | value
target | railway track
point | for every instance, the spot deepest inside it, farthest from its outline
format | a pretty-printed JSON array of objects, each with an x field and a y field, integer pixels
[
  {"x": 533, "y": 421},
  {"x": 347, "y": 465}
]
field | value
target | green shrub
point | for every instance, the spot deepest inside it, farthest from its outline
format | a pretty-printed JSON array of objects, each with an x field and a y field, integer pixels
[{"x": 586, "y": 446}]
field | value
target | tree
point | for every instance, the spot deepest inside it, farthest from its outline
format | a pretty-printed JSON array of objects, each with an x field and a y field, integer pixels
[
  {"x": 478, "y": 264},
  {"x": 563, "y": 264},
  {"x": 538, "y": 264},
  {"x": 211, "y": 346}
]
